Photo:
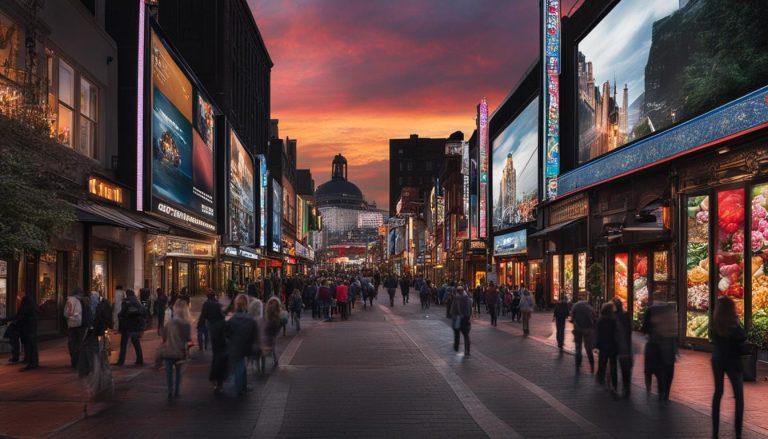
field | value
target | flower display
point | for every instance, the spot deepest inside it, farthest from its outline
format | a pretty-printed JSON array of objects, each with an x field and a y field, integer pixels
[{"x": 731, "y": 245}]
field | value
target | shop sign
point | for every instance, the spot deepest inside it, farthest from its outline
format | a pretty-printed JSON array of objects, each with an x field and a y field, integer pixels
[
  {"x": 230, "y": 251},
  {"x": 181, "y": 247},
  {"x": 568, "y": 210},
  {"x": 247, "y": 254},
  {"x": 476, "y": 244},
  {"x": 512, "y": 243},
  {"x": 182, "y": 216},
  {"x": 105, "y": 190},
  {"x": 551, "y": 108}
]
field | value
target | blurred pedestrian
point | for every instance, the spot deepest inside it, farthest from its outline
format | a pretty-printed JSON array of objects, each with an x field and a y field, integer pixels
[
  {"x": 174, "y": 350},
  {"x": 73, "y": 314},
  {"x": 241, "y": 332},
  {"x": 624, "y": 340},
  {"x": 405, "y": 286},
  {"x": 424, "y": 294},
  {"x": 660, "y": 326},
  {"x": 213, "y": 316},
  {"x": 583, "y": 318},
  {"x": 461, "y": 312},
  {"x": 296, "y": 306},
  {"x": 561, "y": 314},
  {"x": 161, "y": 303},
  {"x": 342, "y": 293},
  {"x": 117, "y": 303},
  {"x": 492, "y": 299},
  {"x": 272, "y": 325},
  {"x": 390, "y": 283},
  {"x": 607, "y": 346},
  {"x": 728, "y": 339},
  {"x": 526, "y": 309},
  {"x": 133, "y": 321},
  {"x": 27, "y": 321}
]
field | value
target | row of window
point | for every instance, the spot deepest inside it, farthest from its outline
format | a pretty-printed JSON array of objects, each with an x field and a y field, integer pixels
[
  {"x": 74, "y": 101},
  {"x": 408, "y": 166}
]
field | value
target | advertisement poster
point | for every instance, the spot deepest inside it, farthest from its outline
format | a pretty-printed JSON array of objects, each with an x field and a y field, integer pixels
[
  {"x": 551, "y": 16},
  {"x": 624, "y": 98},
  {"x": 263, "y": 180},
  {"x": 516, "y": 170},
  {"x": 512, "y": 243},
  {"x": 482, "y": 130},
  {"x": 182, "y": 136},
  {"x": 277, "y": 215},
  {"x": 241, "y": 200}
]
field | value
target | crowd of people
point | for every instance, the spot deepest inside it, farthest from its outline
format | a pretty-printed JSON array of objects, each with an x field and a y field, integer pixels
[{"x": 245, "y": 330}]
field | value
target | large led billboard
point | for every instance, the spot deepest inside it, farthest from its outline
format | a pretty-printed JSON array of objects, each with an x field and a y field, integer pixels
[
  {"x": 241, "y": 194},
  {"x": 516, "y": 170},
  {"x": 651, "y": 64},
  {"x": 512, "y": 243},
  {"x": 182, "y": 134},
  {"x": 277, "y": 215}
]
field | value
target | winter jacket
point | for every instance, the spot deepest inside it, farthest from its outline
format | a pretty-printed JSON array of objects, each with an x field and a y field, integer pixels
[
  {"x": 133, "y": 316},
  {"x": 176, "y": 337},
  {"x": 241, "y": 332}
]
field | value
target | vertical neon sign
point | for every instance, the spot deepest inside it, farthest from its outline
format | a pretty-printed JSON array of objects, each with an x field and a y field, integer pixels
[
  {"x": 551, "y": 43},
  {"x": 140, "y": 112},
  {"x": 263, "y": 180},
  {"x": 482, "y": 133}
]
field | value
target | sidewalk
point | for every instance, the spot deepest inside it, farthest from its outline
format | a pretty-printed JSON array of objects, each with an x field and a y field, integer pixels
[{"x": 693, "y": 384}]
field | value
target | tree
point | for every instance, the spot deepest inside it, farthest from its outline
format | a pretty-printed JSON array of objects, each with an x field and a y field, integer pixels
[{"x": 30, "y": 209}]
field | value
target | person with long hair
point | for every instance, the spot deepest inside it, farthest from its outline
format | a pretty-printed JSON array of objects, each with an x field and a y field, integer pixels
[
  {"x": 728, "y": 338},
  {"x": 241, "y": 332},
  {"x": 174, "y": 351}
]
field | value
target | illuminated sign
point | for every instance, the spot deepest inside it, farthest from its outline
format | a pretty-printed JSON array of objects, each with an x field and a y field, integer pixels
[
  {"x": 183, "y": 247},
  {"x": 510, "y": 243},
  {"x": 241, "y": 200},
  {"x": 551, "y": 117},
  {"x": 482, "y": 132},
  {"x": 105, "y": 190},
  {"x": 477, "y": 244},
  {"x": 263, "y": 200},
  {"x": 277, "y": 215},
  {"x": 230, "y": 251}
]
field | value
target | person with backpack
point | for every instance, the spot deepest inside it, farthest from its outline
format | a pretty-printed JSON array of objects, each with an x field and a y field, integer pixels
[
  {"x": 133, "y": 321},
  {"x": 74, "y": 310}
]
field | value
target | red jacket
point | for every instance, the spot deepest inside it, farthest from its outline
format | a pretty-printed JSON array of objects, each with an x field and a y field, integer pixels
[{"x": 341, "y": 293}]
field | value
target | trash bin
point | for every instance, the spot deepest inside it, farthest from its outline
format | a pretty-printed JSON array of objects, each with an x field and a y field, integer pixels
[{"x": 749, "y": 362}]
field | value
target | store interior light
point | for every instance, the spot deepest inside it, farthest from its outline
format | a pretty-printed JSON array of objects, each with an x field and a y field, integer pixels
[{"x": 723, "y": 150}]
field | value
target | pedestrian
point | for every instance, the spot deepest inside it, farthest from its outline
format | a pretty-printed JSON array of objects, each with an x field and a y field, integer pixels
[
  {"x": 241, "y": 331},
  {"x": 539, "y": 290},
  {"x": 161, "y": 303},
  {"x": 560, "y": 316},
  {"x": 27, "y": 321},
  {"x": 73, "y": 314},
  {"x": 477, "y": 298},
  {"x": 624, "y": 339},
  {"x": 133, "y": 321},
  {"x": 390, "y": 283},
  {"x": 461, "y": 311},
  {"x": 583, "y": 318},
  {"x": 174, "y": 350},
  {"x": 515, "y": 306},
  {"x": 492, "y": 299},
  {"x": 14, "y": 339},
  {"x": 145, "y": 297},
  {"x": 405, "y": 285},
  {"x": 660, "y": 326},
  {"x": 342, "y": 291},
  {"x": 213, "y": 316},
  {"x": 324, "y": 301},
  {"x": 296, "y": 306},
  {"x": 607, "y": 345},
  {"x": 272, "y": 325},
  {"x": 526, "y": 309},
  {"x": 424, "y": 294},
  {"x": 728, "y": 338},
  {"x": 119, "y": 296},
  {"x": 450, "y": 296}
]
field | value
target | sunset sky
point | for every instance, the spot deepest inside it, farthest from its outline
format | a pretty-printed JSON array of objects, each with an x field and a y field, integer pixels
[{"x": 351, "y": 74}]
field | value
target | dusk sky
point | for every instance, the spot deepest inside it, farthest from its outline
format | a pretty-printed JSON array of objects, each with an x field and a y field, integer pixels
[{"x": 350, "y": 74}]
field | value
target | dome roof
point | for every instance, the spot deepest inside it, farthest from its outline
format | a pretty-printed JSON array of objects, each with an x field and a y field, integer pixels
[{"x": 338, "y": 192}]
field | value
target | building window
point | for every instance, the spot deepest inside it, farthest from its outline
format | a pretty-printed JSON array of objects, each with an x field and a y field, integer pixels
[{"x": 77, "y": 119}]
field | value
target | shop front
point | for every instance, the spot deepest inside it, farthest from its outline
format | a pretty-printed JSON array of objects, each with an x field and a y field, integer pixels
[
  {"x": 238, "y": 266},
  {"x": 475, "y": 262},
  {"x": 514, "y": 263},
  {"x": 177, "y": 263},
  {"x": 724, "y": 229}
]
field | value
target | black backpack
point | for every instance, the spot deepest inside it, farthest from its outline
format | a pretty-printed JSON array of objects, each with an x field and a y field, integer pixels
[
  {"x": 87, "y": 321},
  {"x": 103, "y": 320}
]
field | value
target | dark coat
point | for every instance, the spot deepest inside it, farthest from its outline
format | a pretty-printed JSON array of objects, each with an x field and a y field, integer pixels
[
  {"x": 132, "y": 321},
  {"x": 27, "y": 317},
  {"x": 606, "y": 336},
  {"x": 242, "y": 333}
]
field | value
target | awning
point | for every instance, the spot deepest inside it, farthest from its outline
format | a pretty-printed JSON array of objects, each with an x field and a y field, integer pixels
[
  {"x": 98, "y": 214},
  {"x": 551, "y": 229}
]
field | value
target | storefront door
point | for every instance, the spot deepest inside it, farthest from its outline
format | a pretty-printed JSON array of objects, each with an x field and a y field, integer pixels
[
  {"x": 640, "y": 277},
  {"x": 203, "y": 277},
  {"x": 183, "y": 276}
]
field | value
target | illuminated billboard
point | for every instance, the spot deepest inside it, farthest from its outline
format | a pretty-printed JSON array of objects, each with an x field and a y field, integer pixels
[
  {"x": 512, "y": 243},
  {"x": 670, "y": 62},
  {"x": 551, "y": 108},
  {"x": 482, "y": 134},
  {"x": 277, "y": 216},
  {"x": 516, "y": 170},
  {"x": 182, "y": 135},
  {"x": 242, "y": 212},
  {"x": 263, "y": 184}
]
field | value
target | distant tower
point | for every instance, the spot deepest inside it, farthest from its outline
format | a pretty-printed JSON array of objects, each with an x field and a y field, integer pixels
[
  {"x": 591, "y": 85},
  {"x": 508, "y": 190},
  {"x": 624, "y": 114},
  {"x": 339, "y": 168}
]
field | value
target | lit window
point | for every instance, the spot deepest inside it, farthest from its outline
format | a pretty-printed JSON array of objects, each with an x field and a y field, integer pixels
[
  {"x": 66, "y": 103},
  {"x": 88, "y": 109},
  {"x": 75, "y": 104}
]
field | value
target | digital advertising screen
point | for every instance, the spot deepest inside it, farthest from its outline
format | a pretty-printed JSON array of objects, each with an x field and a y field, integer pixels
[
  {"x": 516, "y": 170},
  {"x": 512, "y": 243},
  {"x": 182, "y": 143},
  {"x": 649, "y": 65},
  {"x": 277, "y": 215},
  {"x": 241, "y": 194}
]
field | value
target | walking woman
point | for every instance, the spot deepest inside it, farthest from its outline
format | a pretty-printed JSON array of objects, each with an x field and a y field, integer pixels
[
  {"x": 174, "y": 351},
  {"x": 526, "y": 308},
  {"x": 728, "y": 338}
]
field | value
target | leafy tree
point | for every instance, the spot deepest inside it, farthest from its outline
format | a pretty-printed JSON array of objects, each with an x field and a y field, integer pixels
[{"x": 30, "y": 209}]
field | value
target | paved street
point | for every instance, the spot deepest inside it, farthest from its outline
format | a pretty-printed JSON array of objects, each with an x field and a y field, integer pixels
[{"x": 392, "y": 372}]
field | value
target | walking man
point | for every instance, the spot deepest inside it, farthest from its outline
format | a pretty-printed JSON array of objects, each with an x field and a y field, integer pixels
[
  {"x": 583, "y": 317},
  {"x": 461, "y": 311},
  {"x": 133, "y": 321},
  {"x": 492, "y": 299},
  {"x": 390, "y": 283}
]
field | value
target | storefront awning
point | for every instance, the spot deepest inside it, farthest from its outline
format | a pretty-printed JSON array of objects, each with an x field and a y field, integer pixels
[
  {"x": 551, "y": 229},
  {"x": 97, "y": 214}
]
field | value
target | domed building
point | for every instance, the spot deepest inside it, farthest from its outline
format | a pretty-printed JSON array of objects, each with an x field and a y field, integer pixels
[{"x": 349, "y": 222}]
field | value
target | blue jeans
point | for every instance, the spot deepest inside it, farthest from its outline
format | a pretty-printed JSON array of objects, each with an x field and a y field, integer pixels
[
  {"x": 169, "y": 366},
  {"x": 240, "y": 375}
]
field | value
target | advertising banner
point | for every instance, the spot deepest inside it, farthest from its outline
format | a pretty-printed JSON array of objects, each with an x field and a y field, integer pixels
[
  {"x": 277, "y": 216},
  {"x": 482, "y": 134},
  {"x": 182, "y": 144},
  {"x": 263, "y": 180},
  {"x": 516, "y": 170},
  {"x": 512, "y": 243},
  {"x": 242, "y": 213},
  {"x": 551, "y": 17}
]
